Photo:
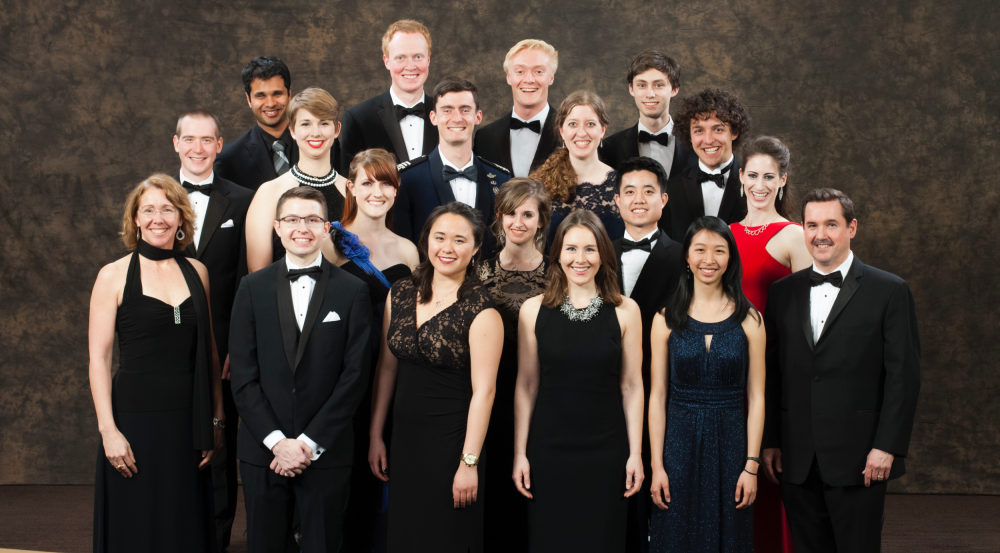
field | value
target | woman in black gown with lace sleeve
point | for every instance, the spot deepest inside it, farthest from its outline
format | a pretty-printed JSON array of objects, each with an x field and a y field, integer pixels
[{"x": 441, "y": 349}]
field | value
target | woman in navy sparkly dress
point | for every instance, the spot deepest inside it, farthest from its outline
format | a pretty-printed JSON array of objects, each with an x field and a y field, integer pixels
[{"x": 706, "y": 480}]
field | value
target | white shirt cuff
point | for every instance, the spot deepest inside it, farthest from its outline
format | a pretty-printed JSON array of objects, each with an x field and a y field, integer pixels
[
  {"x": 317, "y": 450},
  {"x": 273, "y": 438}
]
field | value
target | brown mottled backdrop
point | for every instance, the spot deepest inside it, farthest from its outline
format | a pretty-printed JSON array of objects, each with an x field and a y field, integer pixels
[{"x": 894, "y": 102}]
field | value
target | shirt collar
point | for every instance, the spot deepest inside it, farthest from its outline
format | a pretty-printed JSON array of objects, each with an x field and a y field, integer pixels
[
  {"x": 717, "y": 170},
  {"x": 844, "y": 267},
  {"x": 398, "y": 102},
  {"x": 269, "y": 140},
  {"x": 211, "y": 177},
  {"x": 650, "y": 236},
  {"x": 316, "y": 263},
  {"x": 444, "y": 160},
  {"x": 540, "y": 116},
  {"x": 667, "y": 129}
]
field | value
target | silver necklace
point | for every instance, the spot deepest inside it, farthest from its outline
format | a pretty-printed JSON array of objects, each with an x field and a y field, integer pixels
[
  {"x": 437, "y": 304},
  {"x": 584, "y": 314},
  {"x": 513, "y": 266},
  {"x": 315, "y": 182}
]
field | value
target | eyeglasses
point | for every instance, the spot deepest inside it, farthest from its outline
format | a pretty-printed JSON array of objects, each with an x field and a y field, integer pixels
[
  {"x": 293, "y": 221},
  {"x": 167, "y": 212}
]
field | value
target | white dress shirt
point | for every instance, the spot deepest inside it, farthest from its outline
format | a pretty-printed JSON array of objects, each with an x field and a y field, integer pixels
[
  {"x": 524, "y": 143},
  {"x": 412, "y": 127},
  {"x": 302, "y": 289},
  {"x": 822, "y": 297},
  {"x": 710, "y": 192},
  {"x": 657, "y": 151},
  {"x": 199, "y": 202},
  {"x": 632, "y": 262},
  {"x": 463, "y": 188}
]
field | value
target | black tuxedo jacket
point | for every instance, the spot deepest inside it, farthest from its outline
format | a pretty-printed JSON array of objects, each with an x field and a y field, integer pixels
[
  {"x": 853, "y": 390},
  {"x": 657, "y": 281},
  {"x": 247, "y": 161},
  {"x": 685, "y": 202},
  {"x": 493, "y": 141},
  {"x": 373, "y": 124},
  {"x": 223, "y": 250},
  {"x": 423, "y": 188},
  {"x": 310, "y": 383},
  {"x": 624, "y": 145}
]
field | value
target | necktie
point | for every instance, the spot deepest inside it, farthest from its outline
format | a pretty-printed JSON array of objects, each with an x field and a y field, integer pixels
[
  {"x": 663, "y": 138},
  {"x": 470, "y": 173},
  {"x": 417, "y": 111},
  {"x": 205, "y": 189},
  {"x": 281, "y": 163},
  {"x": 834, "y": 278},
  {"x": 718, "y": 178},
  {"x": 311, "y": 272},
  {"x": 533, "y": 126},
  {"x": 646, "y": 244}
]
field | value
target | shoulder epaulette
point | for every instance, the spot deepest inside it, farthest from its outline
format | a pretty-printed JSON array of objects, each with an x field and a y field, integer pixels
[
  {"x": 411, "y": 163},
  {"x": 495, "y": 165}
]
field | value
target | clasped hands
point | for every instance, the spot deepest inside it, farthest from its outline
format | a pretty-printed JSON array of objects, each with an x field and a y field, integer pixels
[{"x": 291, "y": 457}]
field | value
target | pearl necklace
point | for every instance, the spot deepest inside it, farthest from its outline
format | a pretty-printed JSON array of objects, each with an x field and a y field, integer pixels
[
  {"x": 315, "y": 182},
  {"x": 584, "y": 314}
]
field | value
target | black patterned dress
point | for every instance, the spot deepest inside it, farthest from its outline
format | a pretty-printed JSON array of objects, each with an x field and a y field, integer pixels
[
  {"x": 599, "y": 198},
  {"x": 431, "y": 411}
]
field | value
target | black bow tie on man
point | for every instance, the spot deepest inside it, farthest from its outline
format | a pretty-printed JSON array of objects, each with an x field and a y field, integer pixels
[
  {"x": 205, "y": 189},
  {"x": 533, "y": 126},
  {"x": 646, "y": 244},
  {"x": 311, "y": 272},
  {"x": 470, "y": 173},
  {"x": 401, "y": 111},
  {"x": 718, "y": 178},
  {"x": 662, "y": 138},
  {"x": 817, "y": 279}
]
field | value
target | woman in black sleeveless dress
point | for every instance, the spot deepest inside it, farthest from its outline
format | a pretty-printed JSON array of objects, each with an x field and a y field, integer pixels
[
  {"x": 440, "y": 352},
  {"x": 579, "y": 398},
  {"x": 313, "y": 121},
  {"x": 155, "y": 416}
]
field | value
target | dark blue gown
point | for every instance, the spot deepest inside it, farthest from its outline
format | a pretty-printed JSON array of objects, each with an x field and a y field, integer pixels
[{"x": 706, "y": 443}]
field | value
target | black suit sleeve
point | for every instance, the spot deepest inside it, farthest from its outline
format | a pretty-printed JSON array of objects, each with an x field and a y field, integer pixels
[
  {"x": 222, "y": 170},
  {"x": 251, "y": 403},
  {"x": 401, "y": 216},
  {"x": 337, "y": 412},
  {"x": 352, "y": 141},
  {"x": 772, "y": 380},
  {"x": 901, "y": 362}
]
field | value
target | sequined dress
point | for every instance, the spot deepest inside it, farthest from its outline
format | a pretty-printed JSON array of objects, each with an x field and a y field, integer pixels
[
  {"x": 599, "y": 198},
  {"x": 706, "y": 443}
]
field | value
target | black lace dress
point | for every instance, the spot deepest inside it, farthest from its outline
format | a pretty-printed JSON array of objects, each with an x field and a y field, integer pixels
[
  {"x": 507, "y": 512},
  {"x": 599, "y": 198},
  {"x": 431, "y": 409}
]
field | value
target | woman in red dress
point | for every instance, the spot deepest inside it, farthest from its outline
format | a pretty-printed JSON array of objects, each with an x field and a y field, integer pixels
[{"x": 771, "y": 246}]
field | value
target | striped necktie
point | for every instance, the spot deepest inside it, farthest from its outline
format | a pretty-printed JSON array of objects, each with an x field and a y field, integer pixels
[{"x": 281, "y": 165}]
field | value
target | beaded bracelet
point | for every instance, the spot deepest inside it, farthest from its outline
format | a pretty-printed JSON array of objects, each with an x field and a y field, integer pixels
[{"x": 754, "y": 459}]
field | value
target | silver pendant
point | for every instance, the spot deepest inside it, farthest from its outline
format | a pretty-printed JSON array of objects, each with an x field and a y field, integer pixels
[{"x": 177, "y": 315}]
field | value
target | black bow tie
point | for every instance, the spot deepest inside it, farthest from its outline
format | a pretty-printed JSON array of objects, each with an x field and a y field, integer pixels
[
  {"x": 663, "y": 138},
  {"x": 834, "y": 278},
  {"x": 205, "y": 189},
  {"x": 533, "y": 126},
  {"x": 417, "y": 111},
  {"x": 718, "y": 178},
  {"x": 470, "y": 173},
  {"x": 646, "y": 244},
  {"x": 311, "y": 272}
]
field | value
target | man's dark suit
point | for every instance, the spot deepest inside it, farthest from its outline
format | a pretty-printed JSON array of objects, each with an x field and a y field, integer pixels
[
  {"x": 307, "y": 382},
  {"x": 373, "y": 124},
  {"x": 223, "y": 250},
  {"x": 685, "y": 201},
  {"x": 656, "y": 282},
  {"x": 423, "y": 188},
  {"x": 624, "y": 145},
  {"x": 248, "y": 162},
  {"x": 830, "y": 402},
  {"x": 493, "y": 141}
]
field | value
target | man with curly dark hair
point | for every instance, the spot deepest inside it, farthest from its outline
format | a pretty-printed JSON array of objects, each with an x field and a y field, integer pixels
[{"x": 711, "y": 123}]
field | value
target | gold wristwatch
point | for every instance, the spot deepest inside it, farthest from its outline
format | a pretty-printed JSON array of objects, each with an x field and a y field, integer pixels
[{"x": 470, "y": 460}]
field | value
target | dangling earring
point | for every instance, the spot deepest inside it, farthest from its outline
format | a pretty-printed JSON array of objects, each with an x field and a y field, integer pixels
[
  {"x": 781, "y": 192},
  {"x": 741, "y": 190},
  {"x": 180, "y": 234},
  {"x": 138, "y": 234}
]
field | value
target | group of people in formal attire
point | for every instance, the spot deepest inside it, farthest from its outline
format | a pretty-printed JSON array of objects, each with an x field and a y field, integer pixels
[{"x": 416, "y": 336}]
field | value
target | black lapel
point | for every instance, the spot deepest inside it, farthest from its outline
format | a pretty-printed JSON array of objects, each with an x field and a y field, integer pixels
[
  {"x": 258, "y": 152},
  {"x": 653, "y": 268},
  {"x": 546, "y": 144},
  {"x": 486, "y": 187},
  {"x": 618, "y": 255},
  {"x": 388, "y": 116},
  {"x": 430, "y": 131},
  {"x": 631, "y": 145},
  {"x": 802, "y": 296},
  {"x": 286, "y": 314},
  {"x": 692, "y": 189},
  {"x": 436, "y": 166},
  {"x": 504, "y": 153},
  {"x": 731, "y": 196},
  {"x": 218, "y": 203},
  {"x": 315, "y": 304},
  {"x": 847, "y": 290}
]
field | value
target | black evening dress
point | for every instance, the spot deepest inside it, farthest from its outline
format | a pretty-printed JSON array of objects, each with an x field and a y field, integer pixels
[
  {"x": 599, "y": 198},
  {"x": 365, "y": 519},
  {"x": 431, "y": 410},
  {"x": 167, "y": 505},
  {"x": 506, "y": 526},
  {"x": 706, "y": 443},
  {"x": 578, "y": 441}
]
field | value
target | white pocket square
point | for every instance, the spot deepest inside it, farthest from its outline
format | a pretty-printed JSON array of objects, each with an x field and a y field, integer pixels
[
  {"x": 228, "y": 224},
  {"x": 331, "y": 317}
]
